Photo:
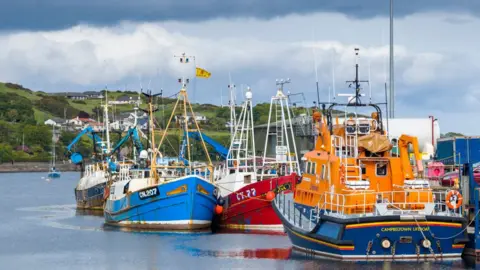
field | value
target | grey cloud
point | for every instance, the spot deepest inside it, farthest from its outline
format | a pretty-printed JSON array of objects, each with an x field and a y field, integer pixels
[{"x": 58, "y": 14}]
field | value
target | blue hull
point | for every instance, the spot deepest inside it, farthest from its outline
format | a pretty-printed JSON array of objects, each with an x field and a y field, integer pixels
[
  {"x": 90, "y": 198},
  {"x": 361, "y": 238},
  {"x": 183, "y": 204},
  {"x": 54, "y": 175}
]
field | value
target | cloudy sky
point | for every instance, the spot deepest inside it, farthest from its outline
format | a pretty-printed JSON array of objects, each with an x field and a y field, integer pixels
[{"x": 67, "y": 45}]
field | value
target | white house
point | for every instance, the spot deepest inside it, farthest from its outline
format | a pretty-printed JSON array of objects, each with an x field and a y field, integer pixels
[
  {"x": 126, "y": 100},
  {"x": 93, "y": 94},
  {"x": 198, "y": 117},
  {"x": 75, "y": 96},
  {"x": 54, "y": 122}
]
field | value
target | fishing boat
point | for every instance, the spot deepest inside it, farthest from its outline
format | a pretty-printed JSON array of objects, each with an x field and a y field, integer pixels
[
  {"x": 173, "y": 196},
  {"x": 358, "y": 201},
  {"x": 90, "y": 193},
  {"x": 53, "y": 173},
  {"x": 248, "y": 188}
]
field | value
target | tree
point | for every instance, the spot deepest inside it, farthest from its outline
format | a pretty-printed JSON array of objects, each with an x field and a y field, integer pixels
[
  {"x": 451, "y": 134},
  {"x": 12, "y": 115},
  {"x": 5, "y": 152}
]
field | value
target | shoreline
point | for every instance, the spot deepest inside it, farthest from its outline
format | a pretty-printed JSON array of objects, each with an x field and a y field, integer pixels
[{"x": 19, "y": 167}]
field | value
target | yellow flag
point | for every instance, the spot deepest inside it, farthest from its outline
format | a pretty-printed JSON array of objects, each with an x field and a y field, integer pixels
[{"x": 202, "y": 73}]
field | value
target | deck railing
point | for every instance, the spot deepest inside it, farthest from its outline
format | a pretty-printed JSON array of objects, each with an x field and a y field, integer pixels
[
  {"x": 334, "y": 204},
  {"x": 387, "y": 203}
]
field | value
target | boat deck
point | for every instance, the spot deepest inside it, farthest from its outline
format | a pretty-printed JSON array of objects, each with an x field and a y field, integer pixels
[{"x": 295, "y": 215}]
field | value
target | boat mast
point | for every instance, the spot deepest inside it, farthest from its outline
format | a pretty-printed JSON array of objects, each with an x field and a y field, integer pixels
[
  {"x": 53, "y": 142},
  {"x": 392, "y": 81},
  {"x": 183, "y": 96},
  {"x": 232, "y": 104},
  {"x": 107, "y": 128},
  {"x": 282, "y": 124},
  {"x": 243, "y": 139}
]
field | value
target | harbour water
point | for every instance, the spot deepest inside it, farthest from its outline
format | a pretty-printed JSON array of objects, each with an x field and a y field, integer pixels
[{"x": 40, "y": 229}]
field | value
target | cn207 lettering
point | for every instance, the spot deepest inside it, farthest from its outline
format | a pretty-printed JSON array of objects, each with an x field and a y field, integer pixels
[
  {"x": 148, "y": 193},
  {"x": 242, "y": 195}
]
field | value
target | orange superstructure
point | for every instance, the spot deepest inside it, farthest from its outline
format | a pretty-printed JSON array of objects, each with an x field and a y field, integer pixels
[{"x": 352, "y": 163}]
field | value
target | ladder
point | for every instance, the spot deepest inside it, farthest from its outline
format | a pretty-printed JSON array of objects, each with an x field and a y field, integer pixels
[{"x": 353, "y": 169}]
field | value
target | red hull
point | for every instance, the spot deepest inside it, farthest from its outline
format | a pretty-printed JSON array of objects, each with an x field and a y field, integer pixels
[{"x": 248, "y": 208}]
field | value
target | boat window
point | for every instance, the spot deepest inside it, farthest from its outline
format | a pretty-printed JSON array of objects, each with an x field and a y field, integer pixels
[
  {"x": 125, "y": 188},
  {"x": 313, "y": 167},
  {"x": 324, "y": 171},
  {"x": 308, "y": 167},
  {"x": 364, "y": 169},
  {"x": 381, "y": 169},
  {"x": 247, "y": 179}
]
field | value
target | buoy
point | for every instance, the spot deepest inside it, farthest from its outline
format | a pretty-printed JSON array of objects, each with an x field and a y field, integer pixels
[
  {"x": 454, "y": 199},
  {"x": 270, "y": 195},
  {"x": 218, "y": 209}
]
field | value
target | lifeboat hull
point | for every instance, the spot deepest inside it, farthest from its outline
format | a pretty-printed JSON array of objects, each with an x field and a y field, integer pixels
[{"x": 374, "y": 238}]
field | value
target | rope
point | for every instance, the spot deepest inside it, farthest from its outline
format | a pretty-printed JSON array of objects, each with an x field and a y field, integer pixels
[
  {"x": 446, "y": 238},
  {"x": 425, "y": 238}
]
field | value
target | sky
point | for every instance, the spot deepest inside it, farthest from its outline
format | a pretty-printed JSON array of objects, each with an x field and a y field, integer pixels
[{"x": 67, "y": 45}]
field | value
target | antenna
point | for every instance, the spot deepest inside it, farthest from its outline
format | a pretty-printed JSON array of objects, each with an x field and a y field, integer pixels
[
  {"x": 329, "y": 93},
  {"x": 316, "y": 68},
  {"x": 369, "y": 79},
  {"x": 333, "y": 74},
  {"x": 356, "y": 97},
  {"x": 392, "y": 81},
  {"x": 282, "y": 82},
  {"x": 184, "y": 59}
]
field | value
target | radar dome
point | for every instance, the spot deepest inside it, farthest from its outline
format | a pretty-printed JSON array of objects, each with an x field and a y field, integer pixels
[{"x": 143, "y": 154}]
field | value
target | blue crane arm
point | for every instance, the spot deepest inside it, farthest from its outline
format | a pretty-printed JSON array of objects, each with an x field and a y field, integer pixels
[
  {"x": 79, "y": 136},
  {"x": 132, "y": 132},
  {"x": 137, "y": 141},
  {"x": 218, "y": 147}
]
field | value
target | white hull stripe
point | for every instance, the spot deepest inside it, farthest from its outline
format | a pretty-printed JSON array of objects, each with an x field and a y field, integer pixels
[
  {"x": 173, "y": 222},
  {"x": 275, "y": 227},
  {"x": 452, "y": 256}
]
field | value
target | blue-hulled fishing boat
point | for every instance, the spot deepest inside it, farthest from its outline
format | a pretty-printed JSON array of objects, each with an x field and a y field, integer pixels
[{"x": 167, "y": 196}]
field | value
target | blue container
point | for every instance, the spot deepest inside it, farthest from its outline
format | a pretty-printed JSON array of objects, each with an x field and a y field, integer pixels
[
  {"x": 183, "y": 204},
  {"x": 458, "y": 150}
]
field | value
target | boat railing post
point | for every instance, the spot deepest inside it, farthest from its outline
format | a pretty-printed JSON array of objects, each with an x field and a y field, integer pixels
[
  {"x": 310, "y": 223},
  {"x": 364, "y": 203},
  {"x": 294, "y": 217},
  {"x": 284, "y": 203},
  {"x": 300, "y": 222},
  {"x": 289, "y": 211}
]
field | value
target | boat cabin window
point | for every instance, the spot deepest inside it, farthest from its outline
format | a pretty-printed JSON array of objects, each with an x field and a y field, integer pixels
[
  {"x": 364, "y": 169},
  {"x": 364, "y": 127},
  {"x": 247, "y": 179},
  {"x": 307, "y": 167},
  {"x": 350, "y": 127},
  {"x": 313, "y": 168},
  {"x": 381, "y": 169},
  {"x": 324, "y": 171}
]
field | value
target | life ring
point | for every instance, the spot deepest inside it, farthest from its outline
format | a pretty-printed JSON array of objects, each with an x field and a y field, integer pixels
[
  {"x": 436, "y": 172},
  {"x": 454, "y": 199}
]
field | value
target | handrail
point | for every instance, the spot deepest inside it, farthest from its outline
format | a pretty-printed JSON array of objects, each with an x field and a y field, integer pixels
[{"x": 338, "y": 204}]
